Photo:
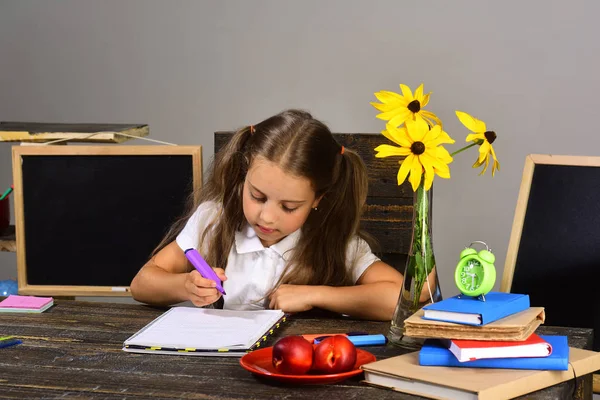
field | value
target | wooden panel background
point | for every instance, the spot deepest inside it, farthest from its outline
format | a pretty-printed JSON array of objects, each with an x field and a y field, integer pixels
[{"x": 389, "y": 209}]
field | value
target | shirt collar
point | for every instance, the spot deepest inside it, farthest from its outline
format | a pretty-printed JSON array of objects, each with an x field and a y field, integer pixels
[{"x": 247, "y": 241}]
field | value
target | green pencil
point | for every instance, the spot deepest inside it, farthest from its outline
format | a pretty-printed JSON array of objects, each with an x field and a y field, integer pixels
[{"x": 8, "y": 191}]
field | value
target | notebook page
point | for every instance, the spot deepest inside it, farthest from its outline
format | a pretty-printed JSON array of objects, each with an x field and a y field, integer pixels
[{"x": 188, "y": 327}]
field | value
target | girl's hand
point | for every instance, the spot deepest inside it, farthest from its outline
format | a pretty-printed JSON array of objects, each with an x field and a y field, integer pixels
[
  {"x": 293, "y": 298},
  {"x": 201, "y": 291}
]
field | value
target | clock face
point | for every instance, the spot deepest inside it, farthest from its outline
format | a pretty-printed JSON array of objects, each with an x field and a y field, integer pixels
[{"x": 471, "y": 275}]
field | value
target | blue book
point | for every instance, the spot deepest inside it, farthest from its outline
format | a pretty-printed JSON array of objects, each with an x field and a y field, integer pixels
[
  {"x": 472, "y": 311},
  {"x": 434, "y": 353}
]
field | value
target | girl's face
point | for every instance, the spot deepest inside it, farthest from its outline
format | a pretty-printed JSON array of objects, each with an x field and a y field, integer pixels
[{"x": 275, "y": 203}]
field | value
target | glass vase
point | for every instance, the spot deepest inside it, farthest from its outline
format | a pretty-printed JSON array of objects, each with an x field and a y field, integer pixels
[{"x": 421, "y": 285}]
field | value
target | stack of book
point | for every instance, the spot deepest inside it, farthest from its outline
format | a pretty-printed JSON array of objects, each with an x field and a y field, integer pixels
[{"x": 481, "y": 349}]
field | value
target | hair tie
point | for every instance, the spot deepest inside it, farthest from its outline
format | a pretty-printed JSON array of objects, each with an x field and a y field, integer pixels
[
  {"x": 342, "y": 151},
  {"x": 252, "y": 129}
]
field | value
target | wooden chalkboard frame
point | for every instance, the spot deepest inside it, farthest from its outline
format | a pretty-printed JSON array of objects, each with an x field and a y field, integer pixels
[
  {"x": 107, "y": 150},
  {"x": 519, "y": 219}
]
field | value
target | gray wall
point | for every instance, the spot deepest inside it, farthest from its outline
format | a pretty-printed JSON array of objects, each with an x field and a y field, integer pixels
[{"x": 189, "y": 68}]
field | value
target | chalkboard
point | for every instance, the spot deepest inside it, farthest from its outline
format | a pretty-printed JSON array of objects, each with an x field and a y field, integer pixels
[
  {"x": 554, "y": 249},
  {"x": 88, "y": 217}
]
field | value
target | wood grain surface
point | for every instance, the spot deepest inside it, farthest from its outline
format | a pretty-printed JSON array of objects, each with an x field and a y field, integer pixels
[{"x": 73, "y": 351}]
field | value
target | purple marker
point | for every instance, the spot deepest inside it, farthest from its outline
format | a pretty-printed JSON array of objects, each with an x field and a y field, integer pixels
[{"x": 202, "y": 266}]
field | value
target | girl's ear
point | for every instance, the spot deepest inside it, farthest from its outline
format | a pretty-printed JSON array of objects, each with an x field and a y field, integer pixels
[{"x": 317, "y": 200}]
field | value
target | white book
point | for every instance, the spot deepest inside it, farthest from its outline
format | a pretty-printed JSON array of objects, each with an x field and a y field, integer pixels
[{"x": 205, "y": 332}]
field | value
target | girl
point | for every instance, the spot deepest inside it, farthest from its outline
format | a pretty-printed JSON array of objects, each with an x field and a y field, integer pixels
[{"x": 278, "y": 220}]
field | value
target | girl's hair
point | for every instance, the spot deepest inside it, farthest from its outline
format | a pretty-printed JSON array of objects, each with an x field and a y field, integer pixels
[{"x": 304, "y": 147}]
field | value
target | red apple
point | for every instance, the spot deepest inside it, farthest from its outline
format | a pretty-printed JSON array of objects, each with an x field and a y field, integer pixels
[
  {"x": 334, "y": 354},
  {"x": 293, "y": 355}
]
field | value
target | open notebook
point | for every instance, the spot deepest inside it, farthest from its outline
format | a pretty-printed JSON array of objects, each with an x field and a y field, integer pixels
[{"x": 205, "y": 332}]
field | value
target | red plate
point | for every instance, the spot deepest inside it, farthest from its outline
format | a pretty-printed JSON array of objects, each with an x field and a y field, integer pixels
[{"x": 260, "y": 362}]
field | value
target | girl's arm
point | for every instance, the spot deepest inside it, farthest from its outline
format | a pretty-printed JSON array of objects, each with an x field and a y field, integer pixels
[
  {"x": 166, "y": 279},
  {"x": 373, "y": 297}
]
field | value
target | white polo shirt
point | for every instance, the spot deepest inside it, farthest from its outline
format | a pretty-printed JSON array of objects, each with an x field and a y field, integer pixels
[{"x": 252, "y": 269}]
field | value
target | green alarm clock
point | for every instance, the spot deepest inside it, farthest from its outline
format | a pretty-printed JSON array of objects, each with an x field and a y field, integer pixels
[{"x": 475, "y": 273}]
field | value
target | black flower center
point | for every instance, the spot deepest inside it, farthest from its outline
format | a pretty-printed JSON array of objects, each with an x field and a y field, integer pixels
[
  {"x": 417, "y": 148},
  {"x": 490, "y": 136},
  {"x": 414, "y": 106}
]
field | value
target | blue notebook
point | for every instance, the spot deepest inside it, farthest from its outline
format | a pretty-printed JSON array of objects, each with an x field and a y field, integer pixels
[
  {"x": 434, "y": 353},
  {"x": 472, "y": 311}
]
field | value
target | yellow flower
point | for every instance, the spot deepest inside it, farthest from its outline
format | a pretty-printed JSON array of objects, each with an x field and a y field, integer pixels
[
  {"x": 484, "y": 138},
  {"x": 398, "y": 109},
  {"x": 422, "y": 150}
]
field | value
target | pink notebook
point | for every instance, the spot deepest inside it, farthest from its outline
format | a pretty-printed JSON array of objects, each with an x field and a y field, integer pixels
[{"x": 16, "y": 303}]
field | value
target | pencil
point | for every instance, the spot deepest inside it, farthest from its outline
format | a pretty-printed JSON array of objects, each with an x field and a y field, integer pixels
[
  {"x": 6, "y": 193},
  {"x": 8, "y": 341}
]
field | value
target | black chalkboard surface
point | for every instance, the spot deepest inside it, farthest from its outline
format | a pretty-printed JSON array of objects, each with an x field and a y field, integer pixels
[
  {"x": 88, "y": 217},
  {"x": 554, "y": 250}
]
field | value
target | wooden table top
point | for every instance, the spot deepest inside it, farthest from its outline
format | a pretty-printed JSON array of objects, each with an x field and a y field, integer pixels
[{"x": 74, "y": 351}]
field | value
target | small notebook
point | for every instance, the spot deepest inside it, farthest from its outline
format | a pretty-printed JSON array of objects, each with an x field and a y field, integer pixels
[
  {"x": 205, "y": 332},
  {"x": 30, "y": 304},
  {"x": 470, "y": 350}
]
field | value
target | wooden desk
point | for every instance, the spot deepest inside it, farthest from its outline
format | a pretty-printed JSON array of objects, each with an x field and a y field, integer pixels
[{"x": 74, "y": 350}]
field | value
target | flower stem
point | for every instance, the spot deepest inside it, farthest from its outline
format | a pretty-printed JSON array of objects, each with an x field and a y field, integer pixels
[
  {"x": 421, "y": 257},
  {"x": 463, "y": 149}
]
